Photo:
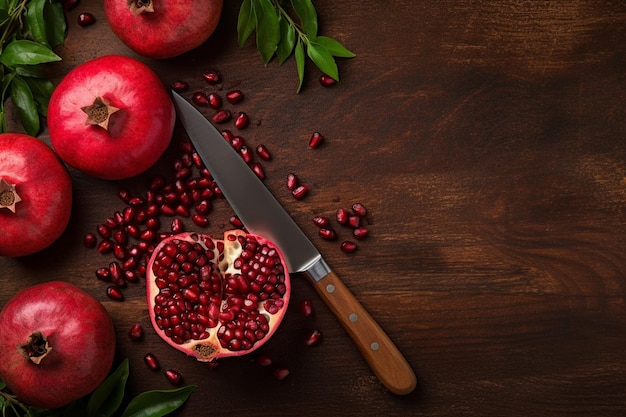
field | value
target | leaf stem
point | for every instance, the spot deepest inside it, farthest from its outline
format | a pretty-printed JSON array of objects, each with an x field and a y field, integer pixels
[{"x": 292, "y": 23}]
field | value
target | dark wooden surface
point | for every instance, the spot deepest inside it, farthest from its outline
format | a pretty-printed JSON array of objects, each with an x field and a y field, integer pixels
[{"x": 487, "y": 140}]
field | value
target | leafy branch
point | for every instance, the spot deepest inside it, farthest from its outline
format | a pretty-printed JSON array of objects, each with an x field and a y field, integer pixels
[
  {"x": 29, "y": 30},
  {"x": 105, "y": 401},
  {"x": 289, "y": 27}
]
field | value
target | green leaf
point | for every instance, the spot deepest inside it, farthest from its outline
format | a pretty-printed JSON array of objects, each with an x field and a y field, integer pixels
[
  {"x": 158, "y": 403},
  {"x": 3, "y": 384},
  {"x": 300, "y": 61},
  {"x": 287, "y": 41},
  {"x": 107, "y": 398},
  {"x": 23, "y": 99},
  {"x": 323, "y": 60},
  {"x": 308, "y": 16},
  {"x": 56, "y": 25},
  {"x": 246, "y": 22},
  {"x": 334, "y": 47},
  {"x": 25, "y": 52},
  {"x": 30, "y": 71},
  {"x": 267, "y": 29},
  {"x": 42, "y": 90},
  {"x": 34, "y": 20}
]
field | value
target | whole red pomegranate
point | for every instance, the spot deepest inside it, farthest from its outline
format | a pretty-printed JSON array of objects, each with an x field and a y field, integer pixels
[
  {"x": 57, "y": 344},
  {"x": 216, "y": 298},
  {"x": 163, "y": 28},
  {"x": 35, "y": 195},
  {"x": 111, "y": 117}
]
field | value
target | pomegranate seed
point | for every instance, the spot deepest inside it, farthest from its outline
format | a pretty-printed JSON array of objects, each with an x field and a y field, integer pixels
[
  {"x": 258, "y": 170},
  {"x": 235, "y": 221},
  {"x": 115, "y": 271},
  {"x": 177, "y": 226},
  {"x": 124, "y": 195},
  {"x": 103, "y": 274},
  {"x": 114, "y": 293},
  {"x": 237, "y": 142},
  {"x": 300, "y": 192},
  {"x": 327, "y": 81},
  {"x": 234, "y": 96},
  {"x": 90, "y": 240},
  {"x": 316, "y": 140},
  {"x": 136, "y": 202},
  {"x": 104, "y": 231},
  {"x": 321, "y": 221},
  {"x": 359, "y": 210},
  {"x": 262, "y": 151},
  {"x": 131, "y": 276},
  {"x": 136, "y": 332},
  {"x": 327, "y": 234},
  {"x": 280, "y": 373},
  {"x": 221, "y": 116},
  {"x": 242, "y": 121},
  {"x": 354, "y": 221},
  {"x": 348, "y": 247},
  {"x": 264, "y": 360},
  {"x": 179, "y": 86},
  {"x": 306, "y": 308},
  {"x": 292, "y": 181},
  {"x": 200, "y": 220},
  {"x": 360, "y": 232},
  {"x": 212, "y": 77},
  {"x": 313, "y": 337},
  {"x": 152, "y": 362},
  {"x": 105, "y": 246},
  {"x": 215, "y": 101},
  {"x": 173, "y": 376},
  {"x": 120, "y": 237},
  {"x": 86, "y": 19},
  {"x": 228, "y": 135},
  {"x": 342, "y": 216},
  {"x": 200, "y": 98},
  {"x": 246, "y": 154}
]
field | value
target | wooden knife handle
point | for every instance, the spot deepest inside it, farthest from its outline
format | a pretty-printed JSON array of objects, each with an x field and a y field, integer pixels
[{"x": 379, "y": 351}]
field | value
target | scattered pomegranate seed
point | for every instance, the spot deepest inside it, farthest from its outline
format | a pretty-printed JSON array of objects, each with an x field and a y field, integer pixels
[
  {"x": 177, "y": 226},
  {"x": 264, "y": 360},
  {"x": 103, "y": 274},
  {"x": 105, "y": 246},
  {"x": 200, "y": 98},
  {"x": 327, "y": 81},
  {"x": 262, "y": 151},
  {"x": 179, "y": 86},
  {"x": 152, "y": 362},
  {"x": 246, "y": 154},
  {"x": 327, "y": 234},
  {"x": 104, "y": 231},
  {"x": 342, "y": 216},
  {"x": 258, "y": 170},
  {"x": 115, "y": 271},
  {"x": 300, "y": 192},
  {"x": 234, "y": 96},
  {"x": 235, "y": 221},
  {"x": 221, "y": 116},
  {"x": 237, "y": 142},
  {"x": 212, "y": 77},
  {"x": 90, "y": 240},
  {"x": 360, "y": 232},
  {"x": 200, "y": 220},
  {"x": 114, "y": 293},
  {"x": 242, "y": 121},
  {"x": 306, "y": 307},
  {"x": 313, "y": 337},
  {"x": 280, "y": 373},
  {"x": 292, "y": 181},
  {"x": 124, "y": 195},
  {"x": 136, "y": 332},
  {"x": 316, "y": 140},
  {"x": 86, "y": 19},
  {"x": 348, "y": 247},
  {"x": 173, "y": 376},
  {"x": 359, "y": 209},
  {"x": 354, "y": 221},
  {"x": 215, "y": 100},
  {"x": 321, "y": 221}
]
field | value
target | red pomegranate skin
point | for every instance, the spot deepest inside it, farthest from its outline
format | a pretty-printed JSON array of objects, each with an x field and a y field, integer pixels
[
  {"x": 137, "y": 135},
  {"x": 79, "y": 331},
  {"x": 45, "y": 187},
  {"x": 175, "y": 26}
]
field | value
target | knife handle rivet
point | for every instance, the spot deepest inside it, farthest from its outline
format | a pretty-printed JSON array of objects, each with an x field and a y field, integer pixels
[
  {"x": 330, "y": 288},
  {"x": 374, "y": 346},
  {"x": 353, "y": 317}
]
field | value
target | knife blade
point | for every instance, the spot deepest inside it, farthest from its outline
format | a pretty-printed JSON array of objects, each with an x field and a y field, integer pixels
[{"x": 262, "y": 214}]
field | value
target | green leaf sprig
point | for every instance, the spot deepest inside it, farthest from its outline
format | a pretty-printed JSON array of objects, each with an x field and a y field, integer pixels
[
  {"x": 29, "y": 30},
  {"x": 104, "y": 401},
  {"x": 289, "y": 27}
]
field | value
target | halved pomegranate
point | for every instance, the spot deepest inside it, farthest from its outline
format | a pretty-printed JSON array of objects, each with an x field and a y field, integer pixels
[{"x": 215, "y": 298}]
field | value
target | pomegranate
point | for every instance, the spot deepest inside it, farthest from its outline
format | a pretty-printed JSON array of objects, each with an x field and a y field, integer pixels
[
  {"x": 217, "y": 298},
  {"x": 57, "y": 344},
  {"x": 163, "y": 28},
  {"x": 35, "y": 195},
  {"x": 111, "y": 117}
]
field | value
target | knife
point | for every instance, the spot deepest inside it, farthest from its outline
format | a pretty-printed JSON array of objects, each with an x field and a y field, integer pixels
[{"x": 263, "y": 215}]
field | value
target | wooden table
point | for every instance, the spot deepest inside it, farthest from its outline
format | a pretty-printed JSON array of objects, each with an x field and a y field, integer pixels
[{"x": 487, "y": 141}]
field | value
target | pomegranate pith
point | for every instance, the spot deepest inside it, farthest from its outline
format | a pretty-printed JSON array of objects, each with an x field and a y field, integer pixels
[{"x": 215, "y": 298}]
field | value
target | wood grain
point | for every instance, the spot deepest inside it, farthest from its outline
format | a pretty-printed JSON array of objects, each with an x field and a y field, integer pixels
[{"x": 487, "y": 141}]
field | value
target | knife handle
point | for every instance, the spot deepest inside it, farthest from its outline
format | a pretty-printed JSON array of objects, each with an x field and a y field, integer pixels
[{"x": 379, "y": 351}]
